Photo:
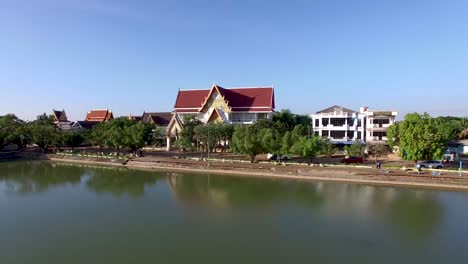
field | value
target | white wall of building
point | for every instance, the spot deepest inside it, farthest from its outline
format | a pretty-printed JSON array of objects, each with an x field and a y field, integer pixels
[{"x": 342, "y": 126}]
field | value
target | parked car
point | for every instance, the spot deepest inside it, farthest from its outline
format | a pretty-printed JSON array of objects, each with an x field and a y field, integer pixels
[
  {"x": 351, "y": 160},
  {"x": 432, "y": 164},
  {"x": 271, "y": 156}
]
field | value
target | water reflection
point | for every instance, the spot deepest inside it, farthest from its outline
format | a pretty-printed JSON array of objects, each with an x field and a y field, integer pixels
[
  {"x": 32, "y": 177},
  {"x": 414, "y": 213},
  {"x": 246, "y": 192},
  {"x": 120, "y": 182},
  {"x": 409, "y": 212}
]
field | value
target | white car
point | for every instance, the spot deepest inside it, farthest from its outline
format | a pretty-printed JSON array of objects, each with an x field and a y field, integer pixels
[{"x": 432, "y": 164}]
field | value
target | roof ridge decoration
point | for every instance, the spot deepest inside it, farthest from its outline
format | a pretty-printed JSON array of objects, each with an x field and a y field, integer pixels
[{"x": 207, "y": 98}]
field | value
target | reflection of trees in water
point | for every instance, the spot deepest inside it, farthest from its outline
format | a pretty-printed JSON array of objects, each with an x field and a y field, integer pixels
[
  {"x": 415, "y": 213},
  {"x": 119, "y": 182},
  {"x": 237, "y": 191},
  {"x": 30, "y": 177}
]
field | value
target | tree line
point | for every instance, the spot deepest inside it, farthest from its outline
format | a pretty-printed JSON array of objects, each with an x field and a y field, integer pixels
[{"x": 119, "y": 134}]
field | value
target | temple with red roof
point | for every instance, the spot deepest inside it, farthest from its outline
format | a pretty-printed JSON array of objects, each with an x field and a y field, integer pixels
[
  {"x": 99, "y": 115},
  {"x": 229, "y": 105},
  {"x": 240, "y": 105}
]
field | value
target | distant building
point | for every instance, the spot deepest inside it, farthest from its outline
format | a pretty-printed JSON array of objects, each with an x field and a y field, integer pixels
[
  {"x": 99, "y": 115},
  {"x": 345, "y": 126},
  {"x": 83, "y": 125},
  {"x": 228, "y": 105},
  {"x": 160, "y": 119},
  {"x": 459, "y": 147},
  {"x": 243, "y": 105},
  {"x": 61, "y": 119}
]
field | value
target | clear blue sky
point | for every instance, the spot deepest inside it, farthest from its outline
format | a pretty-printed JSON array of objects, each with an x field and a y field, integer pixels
[{"x": 132, "y": 56}]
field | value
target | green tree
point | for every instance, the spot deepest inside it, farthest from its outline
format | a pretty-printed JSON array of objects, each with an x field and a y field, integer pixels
[
  {"x": 248, "y": 140},
  {"x": 312, "y": 148},
  {"x": 134, "y": 136},
  {"x": 187, "y": 135},
  {"x": 97, "y": 136},
  {"x": 422, "y": 137},
  {"x": 13, "y": 131},
  {"x": 42, "y": 131},
  {"x": 73, "y": 139},
  {"x": 272, "y": 141},
  {"x": 377, "y": 149},
  {"x": 327, "y": 147},
  {"x": 464, "y": 127},
  {"x": 356, "y": 149}
]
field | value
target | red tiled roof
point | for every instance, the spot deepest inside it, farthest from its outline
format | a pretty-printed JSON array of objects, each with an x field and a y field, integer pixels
[
  {"x": 191, "y": 98},
  {"x": 239, "y": 99},
  {"x": 99, "y": 115}
]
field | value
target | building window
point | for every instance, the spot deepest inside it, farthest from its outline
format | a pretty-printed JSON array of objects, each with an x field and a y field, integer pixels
[
  {"x": 379, "y": 134},
  {"x": 350, "y": 121},
  {"x": 350, "y": 134},
  {"x": 324, "y": 121},
  {"x": 359, "y": 135},
  {"x": 317, "y": 122},
  {"x": 337, "y": 134},
  {"x": 316, "y": 133},
  {"x": 381, "y": 122},
  {"x": 338, "y": 121},
  {"x": 359, "y": 122},
  {"x": 243, "y": 117},
  {"x": 325, "y": 133},
  {"x": 261, "y": 116}
]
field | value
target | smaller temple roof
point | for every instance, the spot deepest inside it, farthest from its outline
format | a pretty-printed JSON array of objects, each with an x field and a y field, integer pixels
[
  {"x": 158, "y": 118},
  {"x": 99, "y": 115},
  {"x": 85, "y": 124},
  {"x": 60, "y": 116}
]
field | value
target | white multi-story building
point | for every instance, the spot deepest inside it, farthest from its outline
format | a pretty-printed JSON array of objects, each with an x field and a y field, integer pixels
[
  {"x": 376, "y": 123},
  {"x": 344, "y": 126}
]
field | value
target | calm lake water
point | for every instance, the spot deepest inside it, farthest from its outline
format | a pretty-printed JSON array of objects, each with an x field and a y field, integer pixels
[{"x": 74, "y": 214}]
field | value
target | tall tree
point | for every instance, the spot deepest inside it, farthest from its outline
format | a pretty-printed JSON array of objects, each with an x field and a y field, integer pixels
[
  {"x": 248, "y": 140},
  {"x": 13, "y": 131},
  {"x": 43, "y": 131},
  {"x": 421, "y": 136},
  {"x": 464, "y": 127},
  {"x": 74, "y": 139}
]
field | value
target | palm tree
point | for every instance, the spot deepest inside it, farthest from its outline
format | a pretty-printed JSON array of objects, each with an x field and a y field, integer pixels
[{"x": 464, "y": 127}]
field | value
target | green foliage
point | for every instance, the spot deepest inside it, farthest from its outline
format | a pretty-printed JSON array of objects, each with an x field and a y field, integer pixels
[
  {"x": 272, "y": 141},
  {"x": 312, "y": 147},
  {"x": 464, "y": 128},
  {"x": 43, "y": 132},
  {"x": 97, "y": 136},
  {"x": 187, "y": 135},
  {"x": 13, "y": 131},
  {"x": 289, "y": 120},
  {"x": 248, "y": 140},
  {"x": 327, "y": 147},
  {"x": 423, "y": 137},
  {"x": 377, "y": 149},
  {"x": 73, "y": 139},
  {"x": 356, "y": 149}
]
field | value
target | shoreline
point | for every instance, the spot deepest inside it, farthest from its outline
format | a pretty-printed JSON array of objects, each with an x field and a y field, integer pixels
[{"x": 348, "y": 175}]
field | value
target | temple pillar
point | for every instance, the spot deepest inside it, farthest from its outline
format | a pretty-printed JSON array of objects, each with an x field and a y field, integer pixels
[{"x": 168, "y": 143}]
